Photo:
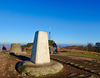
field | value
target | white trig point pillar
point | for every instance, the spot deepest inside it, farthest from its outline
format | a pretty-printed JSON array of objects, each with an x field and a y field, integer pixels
[{"x": 40, "y": 51}]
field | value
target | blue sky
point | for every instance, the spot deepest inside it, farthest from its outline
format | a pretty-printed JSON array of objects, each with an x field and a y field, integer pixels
[{"x": 71, "y": 21}]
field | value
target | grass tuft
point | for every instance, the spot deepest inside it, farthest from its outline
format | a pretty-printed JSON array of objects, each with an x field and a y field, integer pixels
[{"x": 83, "y": 55}]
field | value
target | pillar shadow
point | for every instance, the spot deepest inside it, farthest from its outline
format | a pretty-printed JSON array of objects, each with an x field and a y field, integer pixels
[{"x": 23, "y": 58}]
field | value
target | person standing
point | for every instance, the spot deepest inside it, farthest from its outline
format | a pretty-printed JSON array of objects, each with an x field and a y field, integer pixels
[
  {"x": 22, "y": 49},
  {"x": 50, "y": 50},
  {"x": 54, "y": 47},
  {"x": 26, "y": 48},
  {"x": 57, "y": 49},
  {"x": 3, "y": 49}
]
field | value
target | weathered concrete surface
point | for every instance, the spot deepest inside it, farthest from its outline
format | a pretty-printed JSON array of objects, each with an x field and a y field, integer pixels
[
  {"x": 16, "y": 48},
  {"x": 38, "y": 70},
  {"x": 40, "y": 51}
]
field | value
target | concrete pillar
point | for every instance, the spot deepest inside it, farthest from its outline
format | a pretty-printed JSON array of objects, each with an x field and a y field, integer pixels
[
  {"x": 15, "y": 48},
  {"x": 40, "y": 51}
]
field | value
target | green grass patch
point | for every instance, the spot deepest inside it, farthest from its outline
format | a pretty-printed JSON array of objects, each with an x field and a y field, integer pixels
[
  {"x": 29, "y": 51},
  {"x": 83, "y": 55},
  {"x": 3, "y": 53}
]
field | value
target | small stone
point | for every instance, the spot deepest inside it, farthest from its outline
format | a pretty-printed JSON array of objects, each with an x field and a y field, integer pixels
[
  {"x": 85, "y": 62},
  {"x": 65, "y": 70},
  {"x": 67, "y": 62},
  {"x": 76, "y": 64},
  {"x": 73, "y": 75},
  {"x": 18, "y": 75},
  {"x": 61, "y": 60},
  {"x": 81, "y": 66},
  {"x": 24, "y": 74},
  {"x": 14, "y": 70},
  {"x": 99, "y": 73},
  {"x": 86, "y": 68},
  {"x": 7, "y": 75},
  {"x": 95, "y": 65},
  {"x": 92, "y": 76},
  {"x": 82, "y": 76},
  {"x": 86, "y": 72},
  {"x": 72, "y": 63},
  {"x": 64, "y": 61},
  {"x": 93, "y": 71},
  {"x": 57, "y": 59}
]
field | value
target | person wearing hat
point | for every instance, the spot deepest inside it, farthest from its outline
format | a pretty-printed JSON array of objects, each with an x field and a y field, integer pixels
[
  {"x": 54, "y": 47},
  {"x": 3, "y": 49}
]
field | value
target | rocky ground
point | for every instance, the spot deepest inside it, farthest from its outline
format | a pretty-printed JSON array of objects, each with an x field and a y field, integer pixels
[{"x": 74, "y": 67}]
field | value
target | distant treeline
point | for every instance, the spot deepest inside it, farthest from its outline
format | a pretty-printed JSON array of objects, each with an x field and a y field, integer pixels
[
  {"x": 89, "y": 47},
  {"x": 30, "y": 44}
]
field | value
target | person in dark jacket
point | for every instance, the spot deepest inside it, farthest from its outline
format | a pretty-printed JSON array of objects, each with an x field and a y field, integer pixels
[
  {"x": 54, "y": 47},
  {"x": 3, "y": 49},
  {"x": 26, "y": 48},
  {"x": 50, "y": 50}
]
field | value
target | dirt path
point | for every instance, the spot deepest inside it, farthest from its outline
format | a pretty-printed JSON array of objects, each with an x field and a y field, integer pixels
[
  {"x": 7, "y": 67},
  {"x": 3, "y": 64}
]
